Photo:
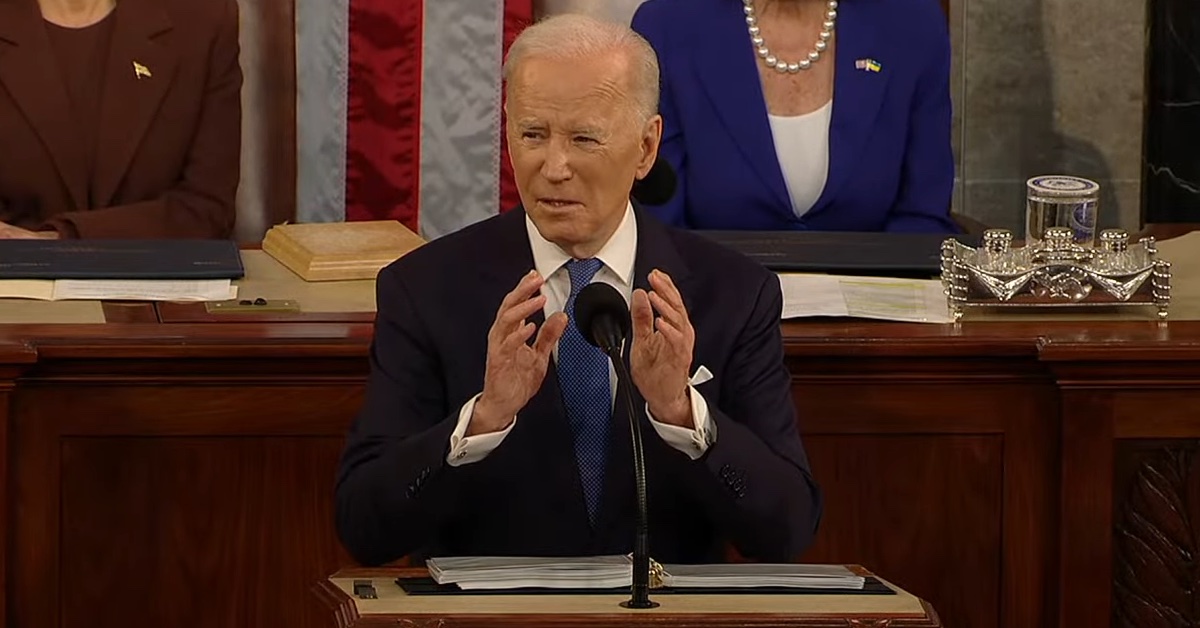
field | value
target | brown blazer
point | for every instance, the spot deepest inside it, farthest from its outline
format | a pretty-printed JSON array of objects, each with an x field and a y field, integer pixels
[{"x": 168, "y": 145}]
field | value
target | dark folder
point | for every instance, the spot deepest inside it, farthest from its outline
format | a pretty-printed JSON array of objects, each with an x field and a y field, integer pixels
[
  {"x": 428, "y": 586},
  {"x": 842, "y": 253},
  {"x": 120, "y": 259}
]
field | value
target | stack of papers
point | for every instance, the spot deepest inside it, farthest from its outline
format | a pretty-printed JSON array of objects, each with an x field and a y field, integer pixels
[
  {"x": 762, "y": 575},
  {"x": 611, "y": 572},
  {"x": 487, "y": 572},
  {"x": 118, "y": 289},
  {"x": 884, "y": 298}
]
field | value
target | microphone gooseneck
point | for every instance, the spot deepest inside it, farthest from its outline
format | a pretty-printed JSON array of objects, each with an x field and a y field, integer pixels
[
  {"x": 603, "y": 318},
  {"x": 640, "y": 590}
]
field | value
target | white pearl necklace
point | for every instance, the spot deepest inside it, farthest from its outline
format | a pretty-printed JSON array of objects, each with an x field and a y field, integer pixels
[{"x": 764, "y": 53}]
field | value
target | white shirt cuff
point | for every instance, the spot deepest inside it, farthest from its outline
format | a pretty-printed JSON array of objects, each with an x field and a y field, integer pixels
[
  {"x": 468, "y": 449},
  {"x": 693, "y": 442}
]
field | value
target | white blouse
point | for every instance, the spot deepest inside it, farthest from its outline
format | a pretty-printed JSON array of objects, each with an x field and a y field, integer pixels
[{"x": 802, "y": 147}]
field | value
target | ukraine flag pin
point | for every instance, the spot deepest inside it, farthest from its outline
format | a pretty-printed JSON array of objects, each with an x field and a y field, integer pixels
[{"x": 870, "y": 65}]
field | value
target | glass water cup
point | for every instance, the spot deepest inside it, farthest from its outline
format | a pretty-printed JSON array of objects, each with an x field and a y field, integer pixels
[{"x": 1061, "y": 201}]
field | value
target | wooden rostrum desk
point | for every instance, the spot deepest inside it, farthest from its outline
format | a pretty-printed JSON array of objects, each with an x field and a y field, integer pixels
[{"x": 167, "y": 466}]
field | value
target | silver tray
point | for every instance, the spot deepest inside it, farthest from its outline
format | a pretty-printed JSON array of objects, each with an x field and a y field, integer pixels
[{"x": 1055, "y": 273}]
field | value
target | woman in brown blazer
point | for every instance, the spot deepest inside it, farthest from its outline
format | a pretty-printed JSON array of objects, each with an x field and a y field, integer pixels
[{"x": 119, "y": 118}]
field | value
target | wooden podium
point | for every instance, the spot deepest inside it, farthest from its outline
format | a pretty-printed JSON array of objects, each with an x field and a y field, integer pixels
[{"x": 393, "y": 607}]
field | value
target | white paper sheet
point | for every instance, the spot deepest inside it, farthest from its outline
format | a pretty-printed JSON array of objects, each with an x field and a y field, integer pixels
[
  {"x": 603, "y": 572},
  {"x": 884, "y": 298},
  {"x": 118, "y": 290}
]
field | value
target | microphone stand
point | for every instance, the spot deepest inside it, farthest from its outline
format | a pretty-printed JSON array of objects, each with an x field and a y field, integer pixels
[{"x": 640, "y": 590}]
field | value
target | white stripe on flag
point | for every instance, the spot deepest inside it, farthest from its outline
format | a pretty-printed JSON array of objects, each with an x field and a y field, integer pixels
[
  {"x": 463, "y": 44},
  {"x": 251, "y": 202},
  {"x": 322, "y": 64}
]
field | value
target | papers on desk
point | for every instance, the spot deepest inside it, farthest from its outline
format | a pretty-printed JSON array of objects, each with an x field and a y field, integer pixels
[
  {"x": 611, "y": 572},
  {"x": 118, "y": 289},
  {"x": 505, "y": 572},
  {"x": 761, "y": 575},
  {"x": 885, "y": 298}
]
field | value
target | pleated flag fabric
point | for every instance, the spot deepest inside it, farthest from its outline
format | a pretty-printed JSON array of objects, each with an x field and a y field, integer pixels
[{"x": 399, "y": 110}]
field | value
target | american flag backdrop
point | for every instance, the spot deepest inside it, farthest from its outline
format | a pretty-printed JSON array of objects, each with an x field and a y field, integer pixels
[
  {"x": 399, "y": 107},
  {"x": 399, "y": 110}
]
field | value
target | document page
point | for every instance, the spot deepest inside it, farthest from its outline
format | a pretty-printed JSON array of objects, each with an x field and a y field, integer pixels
[
  {"x": 608, "y": 572},
  {"x": 762, "y": 575},
  {"x": 39, "y": 289},
  {"x": 884, "y": 298},
  {"x": 514, "y": 572},
  {"x": 118, "y": 289}
]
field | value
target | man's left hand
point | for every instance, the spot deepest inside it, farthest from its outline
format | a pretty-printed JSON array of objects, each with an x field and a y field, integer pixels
[
  {"x": 9, "y": 232},
  {"x": 662, "y": 351}
]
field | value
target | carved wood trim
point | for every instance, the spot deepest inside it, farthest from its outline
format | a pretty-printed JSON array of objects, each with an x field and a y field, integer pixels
[{"x": 1156, "y": 547}]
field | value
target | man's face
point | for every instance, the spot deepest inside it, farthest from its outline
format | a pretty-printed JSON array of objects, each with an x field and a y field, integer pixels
[{"x": 577, "y": 145}]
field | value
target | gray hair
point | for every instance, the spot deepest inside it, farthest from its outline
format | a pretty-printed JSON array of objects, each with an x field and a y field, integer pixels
[{"x": 573, "y": 35}]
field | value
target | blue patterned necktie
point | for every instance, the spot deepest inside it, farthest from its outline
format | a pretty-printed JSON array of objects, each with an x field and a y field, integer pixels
[{"x": 584, "y": 379}]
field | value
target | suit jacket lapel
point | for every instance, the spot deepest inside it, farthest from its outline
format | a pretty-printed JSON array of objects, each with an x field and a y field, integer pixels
[
  {"x": 656, "y": 250},
  {"x": 727, "y": 67},
  {"x": 857, "y": 95},
  {"x": 507, "y": 261},
  {"x": 29, "y": 74},
  {"x": 545, "y": 415},
  {"x": 138, "y": 74}
]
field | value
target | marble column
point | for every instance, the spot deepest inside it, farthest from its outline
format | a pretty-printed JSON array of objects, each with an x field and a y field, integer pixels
[{"x": 1172, "y": 131}]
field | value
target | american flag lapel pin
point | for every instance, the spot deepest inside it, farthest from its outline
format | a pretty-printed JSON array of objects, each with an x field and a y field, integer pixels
[{"x": 141, "y": 71}]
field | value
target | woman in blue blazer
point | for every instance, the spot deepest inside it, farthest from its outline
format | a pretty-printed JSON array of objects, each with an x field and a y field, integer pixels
[{"x": 848, "y": 129}]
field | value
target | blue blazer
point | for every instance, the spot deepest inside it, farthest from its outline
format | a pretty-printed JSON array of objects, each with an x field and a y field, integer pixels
[{"x": 891, "y": 165}]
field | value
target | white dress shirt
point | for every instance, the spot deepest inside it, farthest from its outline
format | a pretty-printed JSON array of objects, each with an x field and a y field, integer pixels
[
  {"x": 802, "y": 147},
  {"x": 550, "y": 261}
]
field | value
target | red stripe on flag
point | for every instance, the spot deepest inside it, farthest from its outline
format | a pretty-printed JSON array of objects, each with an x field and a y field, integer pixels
[
  {"x": 383, "y": 126},
  {"x": 517, "y": 15}
]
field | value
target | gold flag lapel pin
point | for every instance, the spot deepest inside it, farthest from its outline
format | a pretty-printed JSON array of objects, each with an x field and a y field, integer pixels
[{"x": 141, "y": 71}]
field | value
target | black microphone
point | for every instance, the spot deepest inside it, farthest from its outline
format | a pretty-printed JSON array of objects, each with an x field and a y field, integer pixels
[
  {"x": 603, "y": 318},
  {"x": 658, "y": 186}
]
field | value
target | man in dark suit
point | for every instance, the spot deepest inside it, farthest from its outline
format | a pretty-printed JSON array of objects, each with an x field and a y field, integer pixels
[
  {"x": 489, "y": 425},
  {"x": 119, "y": 119}
]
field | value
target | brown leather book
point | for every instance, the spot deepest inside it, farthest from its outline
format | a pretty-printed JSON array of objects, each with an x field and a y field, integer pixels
[{"x": 339, "y": 251}]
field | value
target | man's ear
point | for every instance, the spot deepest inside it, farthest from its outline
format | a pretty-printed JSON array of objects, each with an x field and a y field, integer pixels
[{"x": 650, "y": 141}]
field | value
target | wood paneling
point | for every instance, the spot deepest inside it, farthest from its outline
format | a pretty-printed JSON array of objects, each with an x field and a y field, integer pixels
[
  {"x": 211, "y": 500},
  {"x": 14, "y": 356},
  {"x": 203, "y": 524},
  {"x": 871, "y": 484},
  {"x": 979, "y": 466}
]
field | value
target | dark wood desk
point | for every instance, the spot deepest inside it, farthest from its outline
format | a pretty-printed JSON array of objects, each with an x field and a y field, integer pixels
[{"x": 1011, "y": 474}]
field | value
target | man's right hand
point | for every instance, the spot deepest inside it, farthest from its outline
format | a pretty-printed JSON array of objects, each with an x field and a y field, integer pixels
[{"x": 515, "y": 369}]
